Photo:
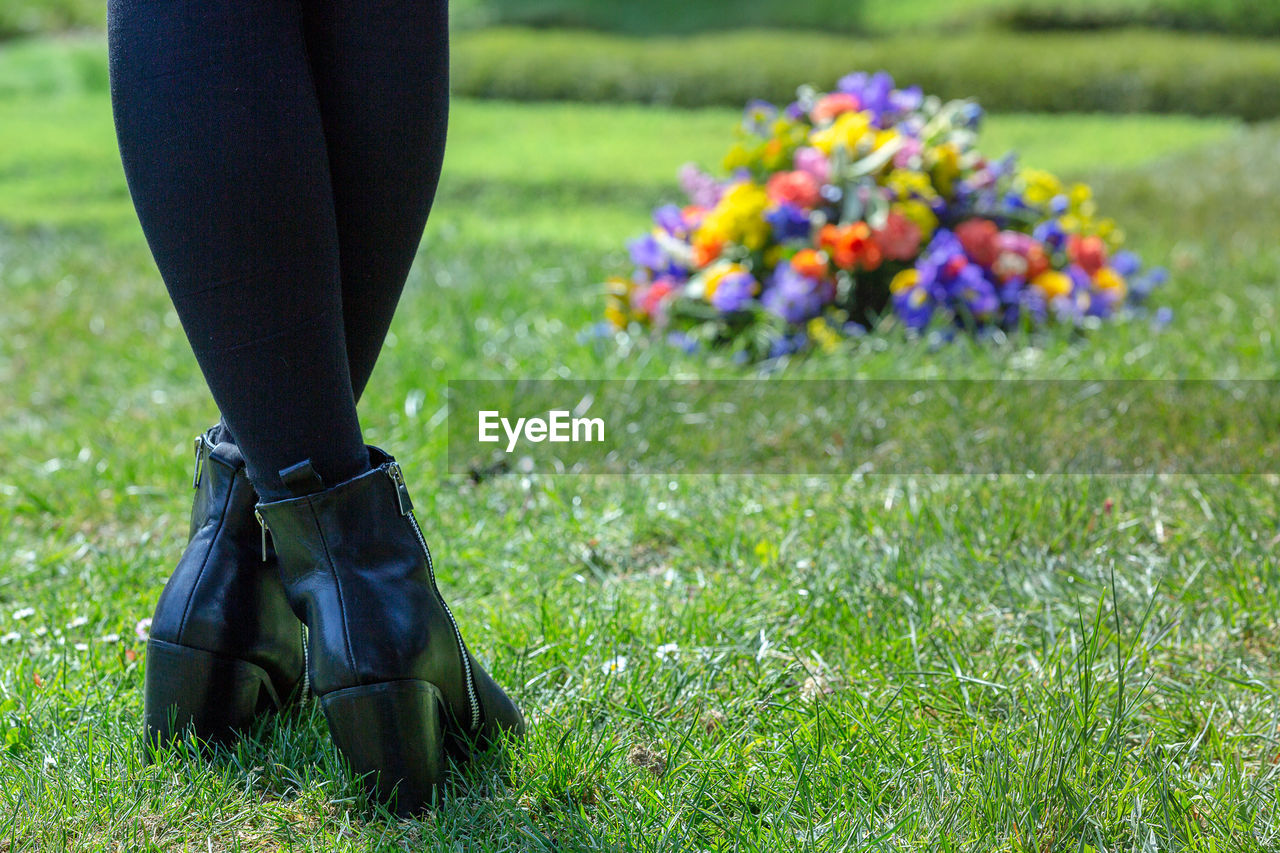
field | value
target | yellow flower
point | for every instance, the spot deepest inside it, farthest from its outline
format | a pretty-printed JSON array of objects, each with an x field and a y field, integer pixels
[
  {"x": 1042, "y": 186},
  {"x": 906, "y": 183},
  {"x": 739, "y": 157},
  {"x": 921, "y": 214},
  {"x": 1053, "y": 283},
  {"x": 905, "y": 280},
  {"x": 823, "y": 335},
  {"x": 946, "y": 167},
  {"x": 618, "y": 308},
  {"x": 1080, "y": 193},
  {"x": 738, "y": 218},
  {"x": 845, "y": 132},
  {"x": 1108, "y": 279}
]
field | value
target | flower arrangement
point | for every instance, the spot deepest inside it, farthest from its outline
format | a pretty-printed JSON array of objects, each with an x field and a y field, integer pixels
[{"x": 850, "y": 206}]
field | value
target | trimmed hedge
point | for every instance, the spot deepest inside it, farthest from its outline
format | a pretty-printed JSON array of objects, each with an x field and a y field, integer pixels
[
  {"x": 1123, "y": 71},
  {"x": 677, "y": 16},
  {"x": 1242, "y": 17},
  {"x": 28, "y": 17}
]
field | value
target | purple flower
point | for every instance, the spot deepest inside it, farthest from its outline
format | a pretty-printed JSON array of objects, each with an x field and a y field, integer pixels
[
  {"x": 914, "y": 308},
  {"x": 646, "y": 252},
  {"x": 878, "y": 96},
  {"x": 795, "y": 297},
  {"x": 1126, "y": 263},
  {"x": 1051, "y": 233},
  {"x": 684, "y": 342},
  {"x": 975, "y": 292},
  {"x": 907, "y": 100},
  {"x": 972, "y": 116},
  {"x": 873, "y": 91},
  {"x": 788, "y": 344},
  {"x": 789, "y": 223},
  {"x": 703, "y": 190},
  {"x": 759, "y": 117},
  {"x": 734, "y": 292},
  {"x": 814, "y": 162},
  {"x": 670, "y": 219},
  {"x": 1163, "y": 317}
]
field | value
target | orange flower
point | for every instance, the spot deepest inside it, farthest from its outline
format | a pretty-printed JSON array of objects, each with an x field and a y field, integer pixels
[
  {"x": 851, "y": 246},
  {"x": 811, "y": 263},
  {"x": 833, "y": 105},
  {"x": 706, "y": 251}
]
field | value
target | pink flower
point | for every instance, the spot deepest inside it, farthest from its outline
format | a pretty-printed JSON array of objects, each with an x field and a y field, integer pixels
[
  {"x": 979, "y": 238},
  {"x": 650, "y": 300},
  {"x": 899, "y": 239},
  {"x": 814, "y": 162},
  {"x": 833, "y": 105},
  {"x": 798, "y": 188},
  {"x": 911, "y": 148}
]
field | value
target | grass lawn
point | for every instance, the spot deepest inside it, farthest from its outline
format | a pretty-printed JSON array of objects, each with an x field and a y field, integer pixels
[{"x": 870, "y": 663}]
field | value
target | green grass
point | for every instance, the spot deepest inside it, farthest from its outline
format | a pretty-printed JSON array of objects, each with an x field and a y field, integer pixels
[{"x": 871, "y": 663}]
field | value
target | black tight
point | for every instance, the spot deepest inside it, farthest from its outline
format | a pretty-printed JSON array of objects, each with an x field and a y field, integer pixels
[{"x": 282, "y": 156}]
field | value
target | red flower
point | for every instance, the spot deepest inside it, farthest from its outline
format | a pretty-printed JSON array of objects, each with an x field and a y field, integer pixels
[
  {"x": 1090, "y": 253},
  {"x": 796, "y": 188},
  {"x": 899, "y": 238},
  {"x": 980, "y": 240},
  {"x": 650, "y": 300}
]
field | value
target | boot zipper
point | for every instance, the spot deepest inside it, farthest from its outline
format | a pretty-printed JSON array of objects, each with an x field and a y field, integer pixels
[
  {"x": 406, "y": 509},
  {"x": 263, "y": 524},
  {"x": 200, "y": 446}
]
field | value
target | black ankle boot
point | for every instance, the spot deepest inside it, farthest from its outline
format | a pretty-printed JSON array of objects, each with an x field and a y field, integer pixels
[
  {"x": 224, "y": 644},
  {"x": 387, "y": 660}
]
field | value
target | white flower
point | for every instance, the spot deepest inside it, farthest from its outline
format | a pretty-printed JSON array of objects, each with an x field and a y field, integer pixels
[
  {"x": 668, "y": 651},
  {"x": 143, "y": 629},
  {"x": 50, "y": 762},
  {"x": 618, "y": 664},
  {"x": 110, "y": 638},
  {"x": 11, "y": 637},
  {"x": 82, "y": 647},
  {"x": 41, "y": 631},
  {"x": 78, "y": 622},
  {"x": 24, "y": 613}
]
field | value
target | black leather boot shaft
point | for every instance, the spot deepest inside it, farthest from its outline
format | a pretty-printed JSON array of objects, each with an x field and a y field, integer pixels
[
  {"x": 358, "y": 571},
  {"x": 223, "y": 608}
]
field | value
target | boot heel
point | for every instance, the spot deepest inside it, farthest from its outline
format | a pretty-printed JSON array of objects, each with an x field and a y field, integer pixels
[
  {"x": 391, "y": 734},
  {"x": 215, "y": 696}
]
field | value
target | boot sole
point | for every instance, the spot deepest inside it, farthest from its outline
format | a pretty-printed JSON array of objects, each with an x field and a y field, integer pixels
[
  {"x": 392, "y": 735},
  {"x": 188, "y": 689}
]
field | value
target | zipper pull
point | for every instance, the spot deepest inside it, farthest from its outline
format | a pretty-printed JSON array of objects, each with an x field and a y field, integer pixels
[
  {"x": 195, "y": 478},
  {"x": 263, "y": 524},
  {"x": 402, "y": 491}
]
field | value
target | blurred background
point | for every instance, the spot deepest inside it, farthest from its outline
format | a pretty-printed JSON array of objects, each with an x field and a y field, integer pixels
[{"x": 1202, "y": 57}]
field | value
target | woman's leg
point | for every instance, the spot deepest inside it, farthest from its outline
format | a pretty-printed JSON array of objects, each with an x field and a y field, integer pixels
[
  {"x": 223, "y": 145},
  {"x": 381, "y": 73}
]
